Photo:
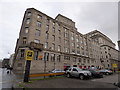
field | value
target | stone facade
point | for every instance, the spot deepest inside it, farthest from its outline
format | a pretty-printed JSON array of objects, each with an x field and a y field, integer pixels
[{"x": 57, "y": 43}]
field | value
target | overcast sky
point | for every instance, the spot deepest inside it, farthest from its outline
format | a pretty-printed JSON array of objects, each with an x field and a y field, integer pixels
[{"x": 88, "y": 16}]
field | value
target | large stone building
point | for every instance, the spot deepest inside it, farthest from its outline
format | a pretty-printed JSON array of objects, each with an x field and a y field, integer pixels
[
  {"x": 57, "y": 43},
  {"x": 108, "y": 53}
]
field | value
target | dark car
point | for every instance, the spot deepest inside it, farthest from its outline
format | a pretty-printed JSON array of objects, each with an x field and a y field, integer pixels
[
  {"x": 96, "y": 74},
  {"x": 106, "y": 72}
]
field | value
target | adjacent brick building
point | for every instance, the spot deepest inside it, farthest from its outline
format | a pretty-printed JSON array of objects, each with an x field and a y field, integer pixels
[{"x": 57, "y": 43}]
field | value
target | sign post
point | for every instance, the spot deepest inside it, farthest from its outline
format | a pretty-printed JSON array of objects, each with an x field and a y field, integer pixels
[{"x": 28, "y": 58}]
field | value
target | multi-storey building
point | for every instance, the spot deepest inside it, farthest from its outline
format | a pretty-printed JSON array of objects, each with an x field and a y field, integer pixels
[
  {"x": 56, "y": 43},
  {"x": 108, "y": 53}
]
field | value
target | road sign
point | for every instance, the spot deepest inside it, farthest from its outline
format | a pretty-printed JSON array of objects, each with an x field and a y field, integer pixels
[
  {"x": 114, "y": 65},
  {"x": 29, "y": 55}
]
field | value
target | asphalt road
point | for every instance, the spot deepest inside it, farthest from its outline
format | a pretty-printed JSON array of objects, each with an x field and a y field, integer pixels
[{"x": 106, "y": 82}]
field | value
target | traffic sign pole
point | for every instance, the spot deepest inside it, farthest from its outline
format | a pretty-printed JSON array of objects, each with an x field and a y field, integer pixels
[
  {"x": 29, "y": 57},
  {"x": 27, "y": 71}
]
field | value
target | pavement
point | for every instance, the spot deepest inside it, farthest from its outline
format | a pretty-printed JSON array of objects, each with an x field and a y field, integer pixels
[{"x": 64, "y": 82}]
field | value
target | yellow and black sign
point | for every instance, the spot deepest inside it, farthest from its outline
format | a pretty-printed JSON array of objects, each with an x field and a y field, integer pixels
[
  {"x": 29, "y": 55},
  {"x": 114, "y": 65}
]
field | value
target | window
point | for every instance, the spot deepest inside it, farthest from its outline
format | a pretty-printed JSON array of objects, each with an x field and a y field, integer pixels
[
  {"x": 72, "y": 38},
  {"x": 58, "y": 25},
  {"x": 46, "y": 44},
  {"x": 82, "y": 47},
  {"x": 81, "y": 41},
  {"x": 22, "y": 52},
  {"x": 80, "y": 37},
  {"x": 77, "y": 40},
  {"x": 37, "y": 41},
  {"x": 72, "y": 33},
  {"x": 65, "y": 29},
  {"x": 82, "y": 53},
  {"x": 67, "y": 57},
  {"x": 78, "y": 45},
  {"x": 79, "y": 59},
  {"x": 26, "y": 29},
  {"x": 66, "y": 49},
  {"x": 86, "y": 54},
  {"x": 47, "y": 20},
  {"x": 53, "y": 30},
  {"x": 106, "y": 56},
  {"x": 52, "y": 57},
  {"x": 58, "y": 58},
  {"x": 39, "y": 24},
  {"x": 46, "y": 56},
  {"x": 78, "y": 52},
  {"x": 73, "y": 44},
  {"x": 53, "y": 46},
  {"x": 27, "y": 20},
  {"x": 74, "y": 59},
  {"x": 85, "y": 43},
  {"x": 47, "y": 35},
  {"x": 24, "y": 40},
  {"x": 29, "y": 13},
  {"x": 39, "y": 16},
  {"x": 35, "y": 55},
  {"x": 105, "y": 48},
  {"x": 59, "y": 32},
  {"x": 47, "y": 27},
  {"x": 37, "y": 33},
  {"x": 66, "y": 42},
  {"x": 73, "y": 51},
  {"x": 53, "y": 37},
  {"x": 66, "y": 35},
  {"x": 84, "y": 61},
  {"x": 59, "y": 40},
  {"x": 75, "y": 69},
  {"x": 88, "y": 61},
  {"x": 53, "y": 23},
  {"x": 59, "y": 48}
]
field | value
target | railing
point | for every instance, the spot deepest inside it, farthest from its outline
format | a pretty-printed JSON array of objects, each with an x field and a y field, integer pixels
[{"x": 48, "y": 74}]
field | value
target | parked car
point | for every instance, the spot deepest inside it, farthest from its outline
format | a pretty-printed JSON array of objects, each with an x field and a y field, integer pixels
[
  {"x": 96, "y": 73},
  {"x": 77, "y": 72},
  {"x": 57, "y": 71},
  {"x": 66, "y": 68},
  {"x": 105, "y": 72}
]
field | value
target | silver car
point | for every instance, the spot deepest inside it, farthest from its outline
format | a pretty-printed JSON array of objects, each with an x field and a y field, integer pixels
[{"x": 77, "y": 72}]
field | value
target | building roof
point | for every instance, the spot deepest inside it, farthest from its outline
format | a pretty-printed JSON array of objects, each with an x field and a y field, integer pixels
[{"x": 101, "y": 34}]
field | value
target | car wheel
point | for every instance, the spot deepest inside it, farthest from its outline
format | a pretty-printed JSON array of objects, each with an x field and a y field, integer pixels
[
  {"x": 68, "y": 75},
  {"x": 81, "y": 77},
  {"x": 107, "y": 73}
]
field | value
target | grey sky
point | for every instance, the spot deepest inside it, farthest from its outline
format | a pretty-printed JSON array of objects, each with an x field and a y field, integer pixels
[{"x": 88, "y": 16}]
